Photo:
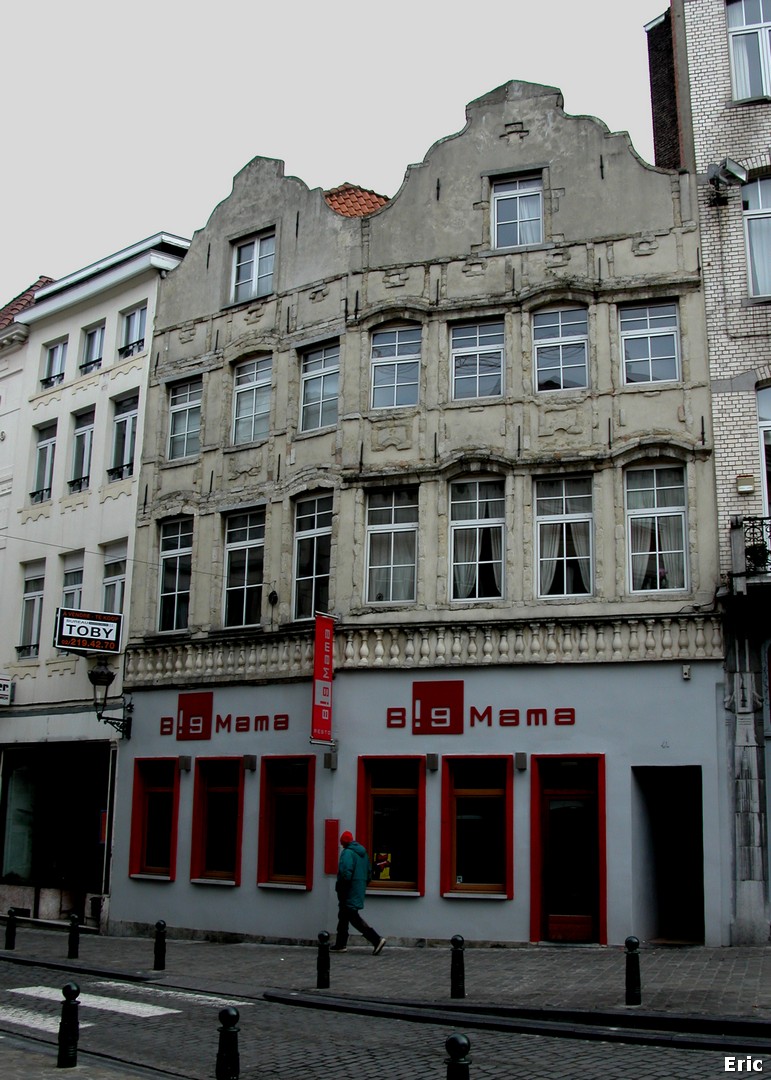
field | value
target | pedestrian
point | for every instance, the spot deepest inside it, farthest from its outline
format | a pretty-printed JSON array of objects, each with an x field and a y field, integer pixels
[{"x": 353, "y": 876}]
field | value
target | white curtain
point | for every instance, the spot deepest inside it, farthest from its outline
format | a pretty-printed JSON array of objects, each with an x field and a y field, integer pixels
[
  {"x": 641, "y": 539},
  {"x": 672, "y": 553},
  {"x": 550, "y": 536},
  {"x": 464, "y": 562},
  {"x": 579, "y": 532},
  {"x": 496, "y": 545},
  {"x": 759, "y": 230},
  {"x": 745, "y": 55}
]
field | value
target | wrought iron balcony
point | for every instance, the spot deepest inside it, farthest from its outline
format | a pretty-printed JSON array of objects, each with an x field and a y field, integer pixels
[{"x": 750, "y": 550}]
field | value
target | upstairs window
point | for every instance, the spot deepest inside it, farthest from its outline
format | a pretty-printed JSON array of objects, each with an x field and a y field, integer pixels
[
  {"x": 564, "y": 519},
  {"x": 756, "y": 201},
  {"x": 251, "y": 405},
  {"x": 44, "y": 463},
  {"x": 655, "y": 510},
  {"x": 313, "y": 549},
  {"x": 649, "y": 341},
  {"x": 185, "y": 419},
  {"x": 55, "y": 360},
  {"x": 517, "y": 212},
  {"x": 395, "y": 367},
  {"x": 253, "y": 262},
  {"x": 176, "y": 572},
  {"x": 81, "y": 452},
  {"x": 477, "y": 360},
  {"x": 93, "y": 349},
  {"x": 133, "y": 334},
  {"x": 72, "y": 583},
  {"x": 114, "y": 577},
  {"x": 392, "y": 545},
  {"x": 764, "y": 421},
  {"x": 320, "y": 378},
  {"x": 560, "y": 345},
  {"x": 244, "y": 555},
  {"x": 32, "y": 610},
  {"x": 124, "y": 438},
  {"x": 749, "y": 34},
  {"x": 476, "y": 525}
]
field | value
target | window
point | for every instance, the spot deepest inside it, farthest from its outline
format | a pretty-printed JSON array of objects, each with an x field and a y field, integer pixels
[
  {"x": 56, "y": 358},
  {"x": 749, "y": 34},
  {"x": 392, "y": 545},
  {"x": 44, "y": 463},
  {"x": 176, "y": 569},
  {"x": 81, "y": 453},
  {"x": 217, "y": 819},
  {"x": 124, "y": 438},
  {"x": 518, "y": 212},
  {"x": 244, "y": 551},
  {"x": 655, "y": 509},
  {"x": 477, "y": 839},
  {"x": 286, "y": 821},
  {"x": 560, "y": 341},
  {"x": 764, "y": 419},
  {"x": 649, "y": 340},
  {"x": 93, "y": 349},
  {"x": 253, "y": 267},
  {"x": 133, "y": 335},
  {"x": 72, "y": 585},
  {"x": 395, "y": 367},
  {"x": 313, "y": 544},
  {"x": 564, "y": 518},
  {"x": 251, "y": 411},
  {"x": 185, "y": 419},
  {"x": 154, "y": 816},
  {"x": 32, "y": 610},
  {"x": 114, "y": 578},
  {"x": 391, "y": 821},
  {"x": 477, "y": 360},
  {"x": 320, "y": 377},
  {"x": 756, "y": 200},
  {"x": 476, "y": 524}
]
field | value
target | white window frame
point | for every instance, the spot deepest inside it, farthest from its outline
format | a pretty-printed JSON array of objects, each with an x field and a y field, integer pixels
[
  {"x": 176, "y": 565},
  {"x": 244, "y": 539},
  {"x": 55, "y": 363},
  {"x": 124, "y": 437},
  {"x": 560, "y": 532},
  {"x": 31, "y": 610},
  {"x": 185, "y": 418},
  {"x": 392, "y": 540},
  {"x": 72, "y": 585},
  {"x": 561, "y": 348},
  {"x": 477, "y": 353},
  {"x": 82, "y": 448},
  {"x": 93, "y": 348},
  {"x": 45, "y": 455},
  {"x": 253, "y": 270},
  {"x": 251, "y": 400},
  {"x": 472, "y": 528},
  {"x": 320, "y": 383},
  {"x": 313, "y": 534},
  {"x": 654, "y": 517},
  {"x": 520, "y": 195},
  {"x": 114, "y": 578},
  {"x": 756, "y": 203},
  {"x": 764, "y": 431},
  {"x": 395, "y": 361},
  {"x": 750, "y": 47},
  {"x": 134, "y": 330},
  {"x": 643, "y": 329}
]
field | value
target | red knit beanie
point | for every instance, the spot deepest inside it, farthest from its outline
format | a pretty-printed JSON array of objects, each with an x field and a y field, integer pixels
[{"x": 346, "y": 838}]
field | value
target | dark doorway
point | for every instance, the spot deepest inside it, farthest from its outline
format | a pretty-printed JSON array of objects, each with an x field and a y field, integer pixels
[{"x": 672, "y": 800}]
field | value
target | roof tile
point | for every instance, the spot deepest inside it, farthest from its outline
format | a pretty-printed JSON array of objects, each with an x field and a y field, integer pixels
[
  {"x": 350, "y": 200},
  {"x": 24, "y": 300}
]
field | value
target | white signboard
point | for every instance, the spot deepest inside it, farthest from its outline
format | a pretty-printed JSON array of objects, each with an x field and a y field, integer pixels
[
  {"x": 88, "y": 631},
  {"x": 5, "y": 690}
]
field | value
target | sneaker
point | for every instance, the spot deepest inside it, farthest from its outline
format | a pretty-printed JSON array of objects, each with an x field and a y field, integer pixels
[
  {"x": 338, "y": 948},
  {"x": 379, "y": 947}
]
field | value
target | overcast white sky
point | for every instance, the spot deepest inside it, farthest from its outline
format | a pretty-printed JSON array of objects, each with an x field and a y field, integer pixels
[{"x": 125, "y": 120}]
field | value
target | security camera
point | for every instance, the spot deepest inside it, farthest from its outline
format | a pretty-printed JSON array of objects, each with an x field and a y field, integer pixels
[{"x": 726, "y": 173}]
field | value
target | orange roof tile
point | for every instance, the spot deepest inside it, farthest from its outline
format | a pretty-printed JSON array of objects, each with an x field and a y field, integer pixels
[
  {"x": 353, "y": 201},
  {"x": 24, "y": 300}
]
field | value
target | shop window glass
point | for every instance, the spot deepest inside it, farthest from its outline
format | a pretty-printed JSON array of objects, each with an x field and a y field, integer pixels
[
  {"x": 154, "y": 817},
  {"x": 392, "y": 805},
  {"x": 477, "y": 845},
  {"x": 286, "y": 822},
  {"x": 217, "y": 814}
]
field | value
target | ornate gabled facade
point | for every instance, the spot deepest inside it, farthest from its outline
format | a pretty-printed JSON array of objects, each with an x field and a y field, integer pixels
[{"x": 472, "y": 424}]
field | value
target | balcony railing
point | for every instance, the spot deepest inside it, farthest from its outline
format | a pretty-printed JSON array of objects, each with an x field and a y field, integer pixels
[{"x": 750, "y": 550}]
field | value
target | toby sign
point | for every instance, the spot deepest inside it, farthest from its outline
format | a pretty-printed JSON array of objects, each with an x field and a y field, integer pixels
[{"x": 87, "y": 631}]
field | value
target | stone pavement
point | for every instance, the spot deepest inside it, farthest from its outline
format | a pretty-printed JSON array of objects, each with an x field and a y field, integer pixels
[{"x": 682, "y": 982}]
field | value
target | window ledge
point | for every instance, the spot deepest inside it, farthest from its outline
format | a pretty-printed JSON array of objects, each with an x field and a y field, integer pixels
[
  {"x": 755, "y": 301},
  {"x": 489, "y": 252},
  {"x": 212, "y": 881},
  {"x": 325, "y": 429},
  {"x": 150, "y": 877},
  {"x": 393, "y": 892},
  {"x": 738, "y": 102},
  {"x": 474, "y": 896},
  {"x": 282, "y": 885},
  {"x": 233, "y": 448}
]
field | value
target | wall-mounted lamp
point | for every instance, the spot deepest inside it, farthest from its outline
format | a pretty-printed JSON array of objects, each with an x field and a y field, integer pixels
[
  {"x": 185, "y": 763},
  {"x": 250, "y": 762},
  {"x": 726, "y": 173},
  {"x": 272, "y": 597},
  {"x": 101, "y": 678},
  {"x": 432, "y": 762},
  {"x": 520, "y": 761},
  {"x": 330, "y": 760},
  {"x": 745, "y": 485}
]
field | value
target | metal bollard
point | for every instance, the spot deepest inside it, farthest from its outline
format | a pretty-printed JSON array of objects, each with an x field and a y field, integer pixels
[
  {"x": 159, "y": 947},
  {"x": 228, "y": 1061},
  {"x": 68, "y": 1028},
  {"x": 322, "y": 962},
  {"x": 458, "y": 1061},
  {"x": 73, "y": 938},
  {"x": 457, "y": 968},
  {"x": 10, "y": 930},
  {"x": 633, "y": 989}
]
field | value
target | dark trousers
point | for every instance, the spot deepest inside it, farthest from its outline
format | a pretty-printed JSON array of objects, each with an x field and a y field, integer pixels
[{"x": 346, "y": 915}]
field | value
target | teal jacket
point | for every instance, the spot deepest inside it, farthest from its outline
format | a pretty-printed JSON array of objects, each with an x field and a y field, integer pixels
[{"x": 353, "y": 875}]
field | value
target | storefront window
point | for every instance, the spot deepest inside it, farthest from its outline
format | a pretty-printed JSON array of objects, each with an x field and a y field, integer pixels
[
  {"x": 392, "y": 815},
  {"x": 477, "y": 843},
  {"x": 286, "y": 822},
  {"x": 154, "y": 817},
  {"x": 217, "y": 814}
]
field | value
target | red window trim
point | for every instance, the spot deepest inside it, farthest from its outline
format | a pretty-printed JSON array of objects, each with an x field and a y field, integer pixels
[
  {"x": 196, "y": 854},
  {"x": 363, "y": 832},
  {"x": 138, "y": 822},
  {"x": 264, "y": 828},
  {"x": 447, "y": 885}
]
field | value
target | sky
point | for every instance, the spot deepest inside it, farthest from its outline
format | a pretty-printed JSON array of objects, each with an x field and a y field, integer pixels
[{"x": 124, "y": 121}]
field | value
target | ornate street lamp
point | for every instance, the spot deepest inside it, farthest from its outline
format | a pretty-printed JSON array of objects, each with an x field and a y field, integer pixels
[{"x": 101, "y": 678}]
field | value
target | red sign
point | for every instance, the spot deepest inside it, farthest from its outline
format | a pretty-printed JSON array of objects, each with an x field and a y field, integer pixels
[
  {"x": 194, "y": 715},
  {"x": 438, "y": 709},
  {"x": 323, "y": 669}
]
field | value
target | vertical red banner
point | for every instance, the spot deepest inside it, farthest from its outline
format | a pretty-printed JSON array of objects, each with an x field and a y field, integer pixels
[{"x": 323, "y": 668}]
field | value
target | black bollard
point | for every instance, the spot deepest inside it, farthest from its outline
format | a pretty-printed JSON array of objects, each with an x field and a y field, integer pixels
[
  {"x": 458, "y": 1061},
  {"x": 68, "y": 1028},
  {"x": 228, "y": 1060},
  {"x": 633, "y": 989},
  {"x": 457, "y": 968},
  {"x": 10, "y": 930},
  {"x": 322, "y": 962},
  {"x": 159, "y": 948},
  {"x": 73, "y": 938}
]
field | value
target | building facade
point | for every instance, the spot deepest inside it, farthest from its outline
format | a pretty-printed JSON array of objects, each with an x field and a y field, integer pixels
[
  {"x": 471, "y": 425},
  {"x": 75, "y": 366},
  {"x": 711, "y": 92}
]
